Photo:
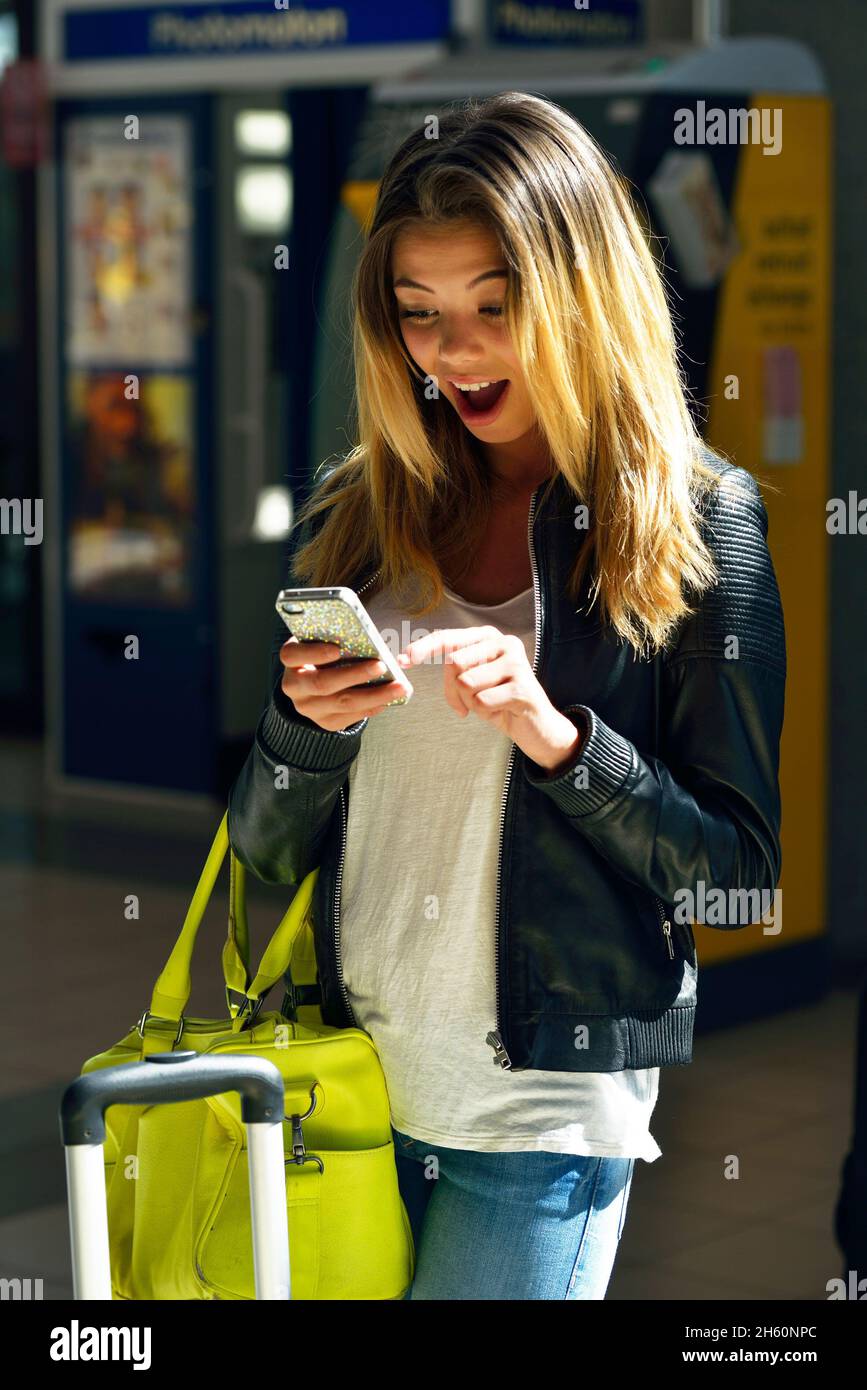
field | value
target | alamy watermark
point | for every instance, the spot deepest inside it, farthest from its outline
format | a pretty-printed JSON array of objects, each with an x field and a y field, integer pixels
[
  {"x": 22, "y": 516},
  {"x": 20, "y": 1290},
  {"x": 846, "y": 517},
  {"x": 852, "y": 1287},
  {"x": 733, "y": 907},
  {"x": 77, "y": 1343},
  {"x": 736, "y": 126},
  {"x": 398, "y": 641}
]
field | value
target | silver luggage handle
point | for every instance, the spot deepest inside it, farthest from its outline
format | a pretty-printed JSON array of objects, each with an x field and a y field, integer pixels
[{"x": 159, "y": 1079}]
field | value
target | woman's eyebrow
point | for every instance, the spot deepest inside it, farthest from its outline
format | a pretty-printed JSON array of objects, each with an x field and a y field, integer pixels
[{"x": 405, "y": 283}]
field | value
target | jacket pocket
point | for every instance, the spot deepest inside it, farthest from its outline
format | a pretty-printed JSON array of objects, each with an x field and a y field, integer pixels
[{"x": 677, "y": 938}]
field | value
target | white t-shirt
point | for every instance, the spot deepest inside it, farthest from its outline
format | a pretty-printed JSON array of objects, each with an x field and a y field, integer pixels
[{"x": 417, "y": 923}]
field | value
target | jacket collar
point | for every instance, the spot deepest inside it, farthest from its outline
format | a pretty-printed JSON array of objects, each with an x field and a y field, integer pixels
[{"x": 556, "y": 508}]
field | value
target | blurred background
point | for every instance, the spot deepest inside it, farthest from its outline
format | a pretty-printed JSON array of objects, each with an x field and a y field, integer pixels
[{"x": 183, "y": 191}]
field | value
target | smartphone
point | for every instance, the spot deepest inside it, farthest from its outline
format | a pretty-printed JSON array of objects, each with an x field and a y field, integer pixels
[{"x": 338, "y": 615}]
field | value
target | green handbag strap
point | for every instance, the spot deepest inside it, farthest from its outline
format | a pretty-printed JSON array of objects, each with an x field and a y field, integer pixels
[
  {"x": 236, "y": 951},
  {"x": 173, "y": 987},
  {"x": 278, "y": 953}
]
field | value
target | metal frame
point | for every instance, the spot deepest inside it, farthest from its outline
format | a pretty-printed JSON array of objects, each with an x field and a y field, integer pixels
[
  {"x": 150, "y": 78},
  {"x": 51, "y": 386},
  {"x": 173, "y": 1077}
]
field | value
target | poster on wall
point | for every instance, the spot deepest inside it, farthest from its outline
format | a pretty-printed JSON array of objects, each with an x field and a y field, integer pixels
[
  {"x": 132, "y": 488},
  {"x": 128, "y": 220}
]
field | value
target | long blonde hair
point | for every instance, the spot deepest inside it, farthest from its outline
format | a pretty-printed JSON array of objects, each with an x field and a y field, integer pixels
[{"x": 587, "y": 315}]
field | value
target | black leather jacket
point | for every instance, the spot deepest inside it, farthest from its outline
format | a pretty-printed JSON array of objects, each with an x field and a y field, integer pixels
[{"x": 593, "y": 971}]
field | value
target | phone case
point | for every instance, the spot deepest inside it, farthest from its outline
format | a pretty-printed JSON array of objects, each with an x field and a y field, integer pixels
[{"x": 334, "y": 620}]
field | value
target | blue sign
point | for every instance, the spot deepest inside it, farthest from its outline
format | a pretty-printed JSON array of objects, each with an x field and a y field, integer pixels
[
  {"x": 564, "y": 22},
  {"x": 248, "y": 26}
]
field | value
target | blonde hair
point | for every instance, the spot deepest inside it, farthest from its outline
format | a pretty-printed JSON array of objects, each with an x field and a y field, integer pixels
[{"x": 588, "y": 318}]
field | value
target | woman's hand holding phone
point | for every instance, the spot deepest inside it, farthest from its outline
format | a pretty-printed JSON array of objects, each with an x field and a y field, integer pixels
[{"x": 333, "y": 699}]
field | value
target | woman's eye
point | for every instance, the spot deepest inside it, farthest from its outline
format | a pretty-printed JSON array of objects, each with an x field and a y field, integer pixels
[{"x": 495, "y": 310}]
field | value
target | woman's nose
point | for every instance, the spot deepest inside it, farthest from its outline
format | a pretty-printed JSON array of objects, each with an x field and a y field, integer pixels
[{"x": 459, "y": 344}]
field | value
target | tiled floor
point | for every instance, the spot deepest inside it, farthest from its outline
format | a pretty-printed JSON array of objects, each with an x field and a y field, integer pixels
[
  {"x": 771, "y": 1101},
  {"x": 774, "y": 1099}
]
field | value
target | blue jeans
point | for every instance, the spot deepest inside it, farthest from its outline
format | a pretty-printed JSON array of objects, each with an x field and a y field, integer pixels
[{"x": 511, "y": 1225}]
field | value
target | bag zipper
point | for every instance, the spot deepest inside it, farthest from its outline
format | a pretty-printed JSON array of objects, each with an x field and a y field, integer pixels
[{"x": 494, "y": 1038}]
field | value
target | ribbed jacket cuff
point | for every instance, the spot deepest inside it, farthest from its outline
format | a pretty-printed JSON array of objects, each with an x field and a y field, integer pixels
[
  {"x": 293, "y": 739},
  {"x": 604, "y": 764}
]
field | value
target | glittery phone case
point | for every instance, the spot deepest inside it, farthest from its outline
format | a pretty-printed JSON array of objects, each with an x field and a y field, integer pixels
[{"x": 329, "y": 615}]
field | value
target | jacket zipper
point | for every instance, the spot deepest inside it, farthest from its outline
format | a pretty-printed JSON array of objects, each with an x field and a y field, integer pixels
[
  {"x": 494, "y": 1038},
  {"x": 335, "y": 912},
  {"x": 338, "y": 877},
  {"x": 367, "y": 583},
  {"x": 665, "y": 924}
]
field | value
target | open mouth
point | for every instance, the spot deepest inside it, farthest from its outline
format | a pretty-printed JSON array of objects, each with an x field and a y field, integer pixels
[{"x": 481, "y": 401}]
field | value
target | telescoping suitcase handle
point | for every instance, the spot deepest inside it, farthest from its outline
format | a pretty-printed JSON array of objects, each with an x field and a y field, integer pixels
[{"x": 161, "y": 1078}]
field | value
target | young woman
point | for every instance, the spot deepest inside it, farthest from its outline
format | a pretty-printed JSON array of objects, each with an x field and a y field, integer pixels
[{"x": 597, "y": 659}]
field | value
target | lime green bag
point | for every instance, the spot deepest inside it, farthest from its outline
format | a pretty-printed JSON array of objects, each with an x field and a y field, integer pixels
[{"x": 176, "y": 1175}]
